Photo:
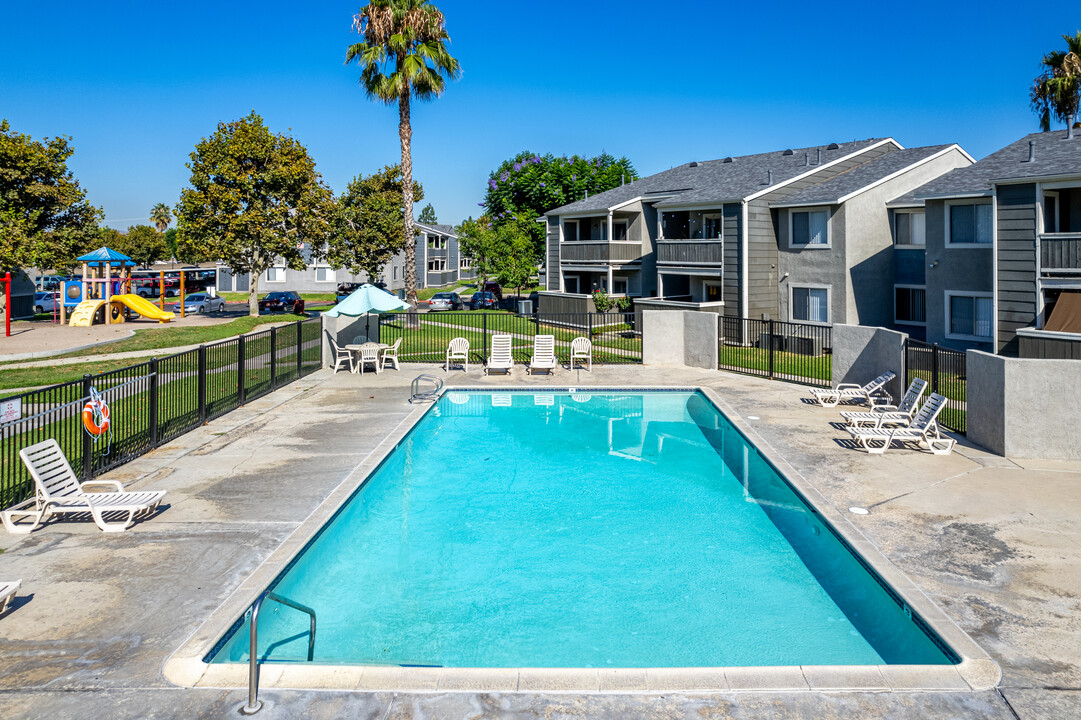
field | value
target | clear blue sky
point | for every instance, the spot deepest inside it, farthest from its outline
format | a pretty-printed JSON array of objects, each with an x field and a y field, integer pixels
[{"x": 137, "y": 84}]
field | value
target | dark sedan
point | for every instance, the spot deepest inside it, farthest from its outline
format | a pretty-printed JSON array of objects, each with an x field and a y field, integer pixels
[
  {"x": 286, "y": 301},
  {"x": 483, "y": 301}
]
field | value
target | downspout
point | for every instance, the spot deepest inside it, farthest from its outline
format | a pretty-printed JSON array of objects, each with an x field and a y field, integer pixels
[
  {"x": 744, "y": 261},
  {"x": 611, "y": 239},
  {"x": 994, "y": 271}
]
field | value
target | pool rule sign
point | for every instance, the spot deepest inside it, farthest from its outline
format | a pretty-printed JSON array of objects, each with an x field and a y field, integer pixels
[{"x": 11, "y": 410}]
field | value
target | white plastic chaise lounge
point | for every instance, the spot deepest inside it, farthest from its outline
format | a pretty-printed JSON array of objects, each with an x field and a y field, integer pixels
[
  {"x": 884, "y": 415},
  {"x": 340, "y": 354},
  {"x": 500, "y": 357},
  {"x": 58, "y": 490},
  {"x": 582, "y": 349},
  {"x": 544, "y": 354},
  {"x": 868, "y": 394},
  {"x": 7, "y": 592},
  {"x": 457, "y": 350},
  {"x": 922, "y": 430}
]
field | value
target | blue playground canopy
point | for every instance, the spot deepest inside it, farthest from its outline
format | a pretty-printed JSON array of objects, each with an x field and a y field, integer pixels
[{"x": 104, "y": 255}]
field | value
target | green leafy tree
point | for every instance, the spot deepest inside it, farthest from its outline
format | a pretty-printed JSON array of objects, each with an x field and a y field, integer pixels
[
  {"x": 427, "y": 215},
  {"x": 529, "y": 185},
  {"x": 478, "y": 240},
  {"x": 143, "y": 244},
  {"x": 45, "y": 221},
  {"x": 1056, "y": 91},
  {"x": 170, "y": 241},
  {"x": 515, "y": 263},
  {"x": 161, "y": 216},
  {"x": 503, "y": 252},
  {"x": 402, "y": 55},
  {"x": 255, "y": 199},
  {"x": 367, "y": 228}
]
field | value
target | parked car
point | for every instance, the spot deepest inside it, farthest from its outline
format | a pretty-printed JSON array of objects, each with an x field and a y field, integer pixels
[
  {"x": 445, "y": 301},
  {"x": 483, "y": 301},
  {"x": 146, "y": 287},
  {"x": 494, "y": 289},
  {"x": 46, "y": 283},
  {"x": 345, "y": 290},
  {"x": 46, "y": 302},
  {"x": 201, "y": 302},
  {"x": 282, "y": 301}
]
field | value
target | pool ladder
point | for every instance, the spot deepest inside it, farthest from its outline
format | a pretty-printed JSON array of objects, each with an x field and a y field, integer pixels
[
  {"x": 254, "y": 704},
  {"x": 418, "y": 394}
]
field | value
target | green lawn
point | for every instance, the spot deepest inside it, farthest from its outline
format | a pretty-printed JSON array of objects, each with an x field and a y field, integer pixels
[{"x": 814, "y": 367}]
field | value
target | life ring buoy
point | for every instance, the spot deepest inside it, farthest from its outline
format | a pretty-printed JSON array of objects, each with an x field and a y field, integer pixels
[{"x": 98, "y": 425}]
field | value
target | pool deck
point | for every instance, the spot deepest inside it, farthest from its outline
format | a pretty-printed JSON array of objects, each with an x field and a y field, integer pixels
[{"x": 991, "y": 542}]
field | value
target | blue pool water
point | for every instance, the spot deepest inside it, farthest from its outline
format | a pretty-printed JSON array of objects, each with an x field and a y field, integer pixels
[{"x": 631, "y": 529}]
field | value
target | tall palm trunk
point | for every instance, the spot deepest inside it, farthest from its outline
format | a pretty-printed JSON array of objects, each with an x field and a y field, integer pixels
[{"x": 405, "y": 133}]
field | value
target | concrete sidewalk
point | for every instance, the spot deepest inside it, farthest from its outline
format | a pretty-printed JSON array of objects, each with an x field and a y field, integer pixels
[{"x": 993, "y": 542}]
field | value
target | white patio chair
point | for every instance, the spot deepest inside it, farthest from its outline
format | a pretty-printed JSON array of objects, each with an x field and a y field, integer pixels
[
  {"x": 340, "y": 354},
  {"x": 390, "y": 355},
  {"x": 922, "y": 430},
  {"x": 500, "y": 358},
  {"x": 7, "y": 592},
  {"x": 544, "y": 354},
  {"x": 457, "y": 350},
  {"x": 883, "y": 415},
  {"x": 58, "y": 490},
  {"x": 367, "y": 353},
  {"x": 582, "y": 349},
  {"x": 869, "y": 394}
]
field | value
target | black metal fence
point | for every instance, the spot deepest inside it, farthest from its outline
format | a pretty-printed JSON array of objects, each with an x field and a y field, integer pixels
[
  {"x": 794, "y": 352},
  {"x": 615, "y": 339},
  {"x": 945, "y": 371},
  {"x": 153, "y": 402}
]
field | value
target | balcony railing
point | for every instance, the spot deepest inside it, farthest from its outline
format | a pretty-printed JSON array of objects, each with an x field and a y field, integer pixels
[
  {"x": 1060, "y": 253},
  {"x": 690, "y": 252},
  {"x": 600, "y": 251}
]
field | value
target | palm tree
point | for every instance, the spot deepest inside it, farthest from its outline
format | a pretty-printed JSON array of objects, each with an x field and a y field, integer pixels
[
  {"x": 403, "y": 54},
  {"x": 161, "y": 216},
  {"x": 1056, "y": 91}
]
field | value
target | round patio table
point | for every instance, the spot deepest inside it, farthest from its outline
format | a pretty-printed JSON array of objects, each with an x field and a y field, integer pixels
[{"x": 356, "y": 348}]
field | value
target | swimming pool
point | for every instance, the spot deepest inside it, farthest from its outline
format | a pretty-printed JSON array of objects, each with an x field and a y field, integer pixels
[{"x": 622, "y": 529}]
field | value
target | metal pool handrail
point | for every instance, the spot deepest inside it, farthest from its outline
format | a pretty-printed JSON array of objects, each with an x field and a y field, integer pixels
[
  {"x": 416, "y": 393},
  {"x": 254, "y": 705}
]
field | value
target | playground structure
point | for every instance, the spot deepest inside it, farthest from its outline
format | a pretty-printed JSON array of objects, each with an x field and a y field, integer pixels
[{"x": 102, "y": 297}]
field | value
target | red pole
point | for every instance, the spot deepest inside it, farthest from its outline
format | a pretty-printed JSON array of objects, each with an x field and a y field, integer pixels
[{"x": 7, "y": 304}]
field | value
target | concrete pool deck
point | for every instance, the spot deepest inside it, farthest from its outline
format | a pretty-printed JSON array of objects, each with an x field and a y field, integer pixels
[{"x": 991, "y": 542}]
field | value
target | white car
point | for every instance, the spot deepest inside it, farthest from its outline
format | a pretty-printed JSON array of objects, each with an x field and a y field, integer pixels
[
  {"x": 46, "y": 302},
  {"x": 201, "y": 303}
]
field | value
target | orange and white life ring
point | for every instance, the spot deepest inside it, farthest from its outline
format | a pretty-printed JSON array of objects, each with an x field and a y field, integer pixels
[{"x": 96, "y": 418}]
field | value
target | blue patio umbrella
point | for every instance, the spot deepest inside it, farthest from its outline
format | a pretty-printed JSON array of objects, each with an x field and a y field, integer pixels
[{"x": 367, "y": 299}]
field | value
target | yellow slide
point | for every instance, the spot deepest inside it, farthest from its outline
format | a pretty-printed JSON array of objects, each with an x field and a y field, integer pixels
[
  {"x": 84, "y": 312},
  {"x": 144, "y": 307}
]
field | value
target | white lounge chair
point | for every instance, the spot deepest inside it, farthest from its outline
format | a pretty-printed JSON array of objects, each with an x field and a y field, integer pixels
[
  {"x": 870, "y": 394},
  {"x": 922, "y": 430},
  {"x": 544, "y": 354},
  {"x": 59, "y": 491},
  {"x": 883, "y": 415},
  {"x": 582, "y": 349},
  {"x": 340, "y": 354},
  {"x": 368, "y": 353},
  {"x": 457, "y": 350},
  {"x": 7, "y": 592},
  {"x": 391, "y": 355},
  {"x": 500, "y": 358}
]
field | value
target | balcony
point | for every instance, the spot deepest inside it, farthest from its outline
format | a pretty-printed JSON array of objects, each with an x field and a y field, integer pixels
[
  {"x": 690, "y": 252},
  {"x": 600, "y": 251},
  {"x": 1060, "y": 253}
]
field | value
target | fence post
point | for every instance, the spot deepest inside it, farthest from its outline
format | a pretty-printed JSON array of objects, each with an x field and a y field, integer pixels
[
  {"x": 934, "y": 368},
  {"x": 300, "y": 348},
  {"x": 589, "y": 325},
  {"x": 153, "y": 402},
  {"x": 484, "y": 330},
  {"x": 273, "y": 358},
  {"x": 769, "y": 343},
  {"x": 240, "y": 394},
  {"x": 202, "y": 384},
  {"x": 88, "y": 442}
]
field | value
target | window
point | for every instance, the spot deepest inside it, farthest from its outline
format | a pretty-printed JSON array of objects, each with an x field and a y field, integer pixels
[
  {"x": 811, "y": 304},
  {"x": 619, "y": 230},
  {"x": 714, "y": 292},
  {"x": 323, "y": 274},
  {"x": 570, "y": 230},
  {"x": 968, "y": 224},
  {"x": 969, "y": 316},
  {"x": 1062, "y": 209},
  {"x": 394, "y": 273},
  {"x": 713, "y": 227},
  {"x": 465, "y": 263},
  {"x": 570, "y": 284},
  {"x": 676, "y": 225},
  {"x": 437, "y": 264},
  {"x": 435, "y": 242},
  {"x": 909, "y": 305},
  {"x": 619, "y": 285},
  {"x": 809, "y": 228},
  {"x": 275, "y": 274},
  {"x": 909, "y": 228}
]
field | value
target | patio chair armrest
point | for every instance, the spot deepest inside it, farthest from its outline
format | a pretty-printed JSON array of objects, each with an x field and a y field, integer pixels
[
  {"x": 884, "y": 408},
  {"x": 109, "y": 483},
  {"x": 841, "y": 386}
]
